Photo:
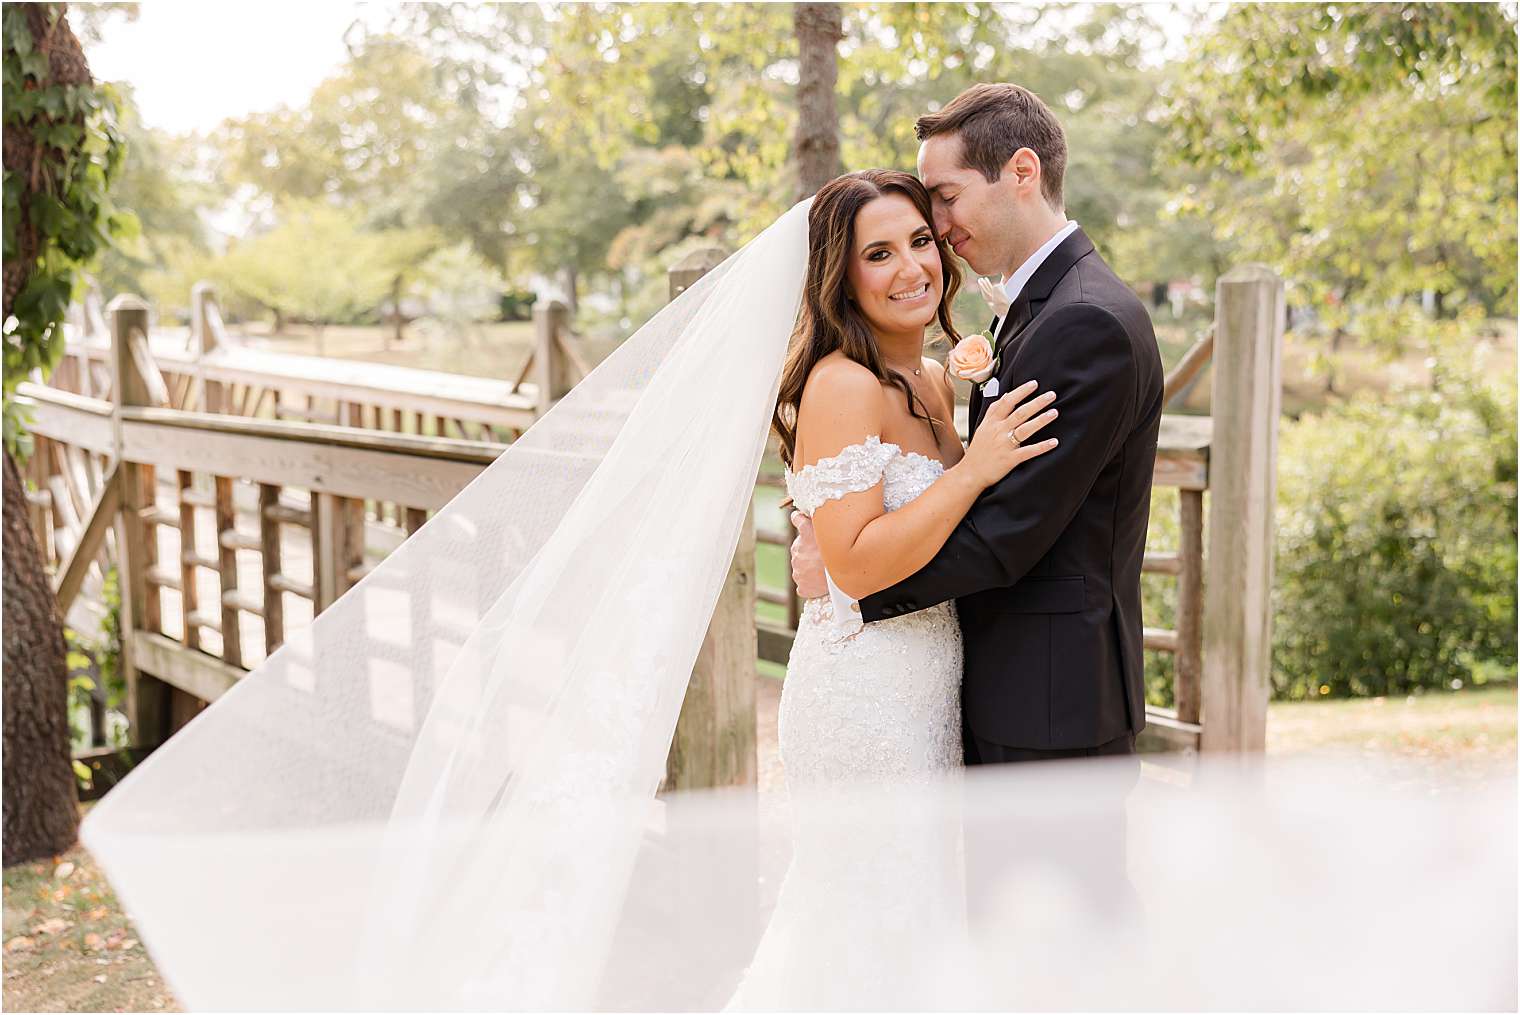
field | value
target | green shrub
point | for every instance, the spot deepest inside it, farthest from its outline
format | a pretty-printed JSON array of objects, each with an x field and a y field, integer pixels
[
  {"x": 1158, "y": 595},
  {"x": 1396, "y": 540}
]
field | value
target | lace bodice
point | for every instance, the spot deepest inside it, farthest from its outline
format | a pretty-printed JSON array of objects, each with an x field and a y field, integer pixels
[{"x": 860, "y": 467}]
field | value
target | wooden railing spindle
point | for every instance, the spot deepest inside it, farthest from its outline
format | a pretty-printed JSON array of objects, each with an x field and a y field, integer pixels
[{"x": 188, "y": 594}]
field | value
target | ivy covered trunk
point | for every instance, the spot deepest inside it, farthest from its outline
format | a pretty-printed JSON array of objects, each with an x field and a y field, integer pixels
[
  {"x": 56, "y": 217},
  {"x": 40, "y": 799}
]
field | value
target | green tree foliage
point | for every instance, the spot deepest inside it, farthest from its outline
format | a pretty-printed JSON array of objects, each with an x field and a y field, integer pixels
[
  {"x": 622, "y": 78},
  {"x": 1366, "y": 151},
  {"x": 64, "y": 149},
  {"x": 166, "y": 182},
  {"x": 321, "y": 265},
  {"x": 1396, "y": 539},
  {"x": 596, "y": 141}
]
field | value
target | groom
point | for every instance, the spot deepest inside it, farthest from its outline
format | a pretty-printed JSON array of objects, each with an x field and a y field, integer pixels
[{"x": 1045, "y": 568}]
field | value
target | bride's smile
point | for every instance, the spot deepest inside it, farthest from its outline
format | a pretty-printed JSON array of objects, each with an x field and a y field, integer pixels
[{"x": 895, "y": 277}]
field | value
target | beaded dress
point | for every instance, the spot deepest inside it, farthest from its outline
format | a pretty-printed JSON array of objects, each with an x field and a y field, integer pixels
[
  {"x": 863, "y": 703},
  {"x": 877, "y": 700}
]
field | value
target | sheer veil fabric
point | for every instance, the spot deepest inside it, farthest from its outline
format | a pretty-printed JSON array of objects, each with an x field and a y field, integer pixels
[{"x": 480, "y": 724}]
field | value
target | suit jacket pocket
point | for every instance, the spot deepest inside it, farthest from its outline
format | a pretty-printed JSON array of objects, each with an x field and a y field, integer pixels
[{"x": 1046, "y": 595}]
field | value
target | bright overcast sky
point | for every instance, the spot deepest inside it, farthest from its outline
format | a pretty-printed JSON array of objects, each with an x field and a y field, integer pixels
[{"x": 193, "y": 64}]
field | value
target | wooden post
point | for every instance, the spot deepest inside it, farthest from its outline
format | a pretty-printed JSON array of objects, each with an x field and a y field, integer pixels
[
  {"x": 337, "y": 538},
  {"x": 692, "y": 267},
  {"x": 714, "y": 742},
  {"x": 189, "y": 591},
  {"x": 203, "y": 337},
  {"x": 1189, "y": 659},
  {"x": 550, "y": 371},
  {"x": 203, "y": 340},
  {"x": 269, "y": 557},
  {"x": 226, "y": 565},
  {"x": 147, "y": 698},
  {"x": 1250, "y": 317}
]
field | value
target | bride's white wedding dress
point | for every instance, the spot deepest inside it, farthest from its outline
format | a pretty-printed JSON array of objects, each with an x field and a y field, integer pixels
[
  {"x": 877, "y": 701},
  {"x": 863, "y": 704}
]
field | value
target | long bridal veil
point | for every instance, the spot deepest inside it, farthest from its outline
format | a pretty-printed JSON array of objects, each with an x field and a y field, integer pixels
[
  {"x": 466, "y": 742},
  {"x": 441, "y": 795}
]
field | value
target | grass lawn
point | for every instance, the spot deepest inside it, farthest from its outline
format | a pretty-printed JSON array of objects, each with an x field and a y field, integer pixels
[
  {"x": 1475, "y": 726},
  {"x": 497, "y": 349},
  {"x": 69, "y": 946}
]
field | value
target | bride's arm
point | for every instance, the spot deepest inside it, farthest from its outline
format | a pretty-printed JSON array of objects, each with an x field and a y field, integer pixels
[{"x": 866, "y": 548}]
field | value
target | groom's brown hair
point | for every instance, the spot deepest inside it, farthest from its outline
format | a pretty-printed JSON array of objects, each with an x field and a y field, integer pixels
[{"x": 996, "y": 120}]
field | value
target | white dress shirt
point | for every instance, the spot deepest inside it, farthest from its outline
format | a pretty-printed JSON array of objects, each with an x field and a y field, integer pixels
[
  {"x": 847, "y": 610},
  {"x": 1014, "y": 285}
]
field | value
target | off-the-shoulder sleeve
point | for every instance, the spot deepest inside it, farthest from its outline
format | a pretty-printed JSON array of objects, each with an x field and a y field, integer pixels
[{"x": 857, "y": 467}]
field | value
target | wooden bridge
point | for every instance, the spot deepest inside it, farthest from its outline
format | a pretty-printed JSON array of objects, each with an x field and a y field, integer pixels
[{"x": 169, "y": 454}]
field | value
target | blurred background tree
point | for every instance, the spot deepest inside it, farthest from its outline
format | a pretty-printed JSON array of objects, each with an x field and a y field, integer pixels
[{"x": 1366, "y": 151}]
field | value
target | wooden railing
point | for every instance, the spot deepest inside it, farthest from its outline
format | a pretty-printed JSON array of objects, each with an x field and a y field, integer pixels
[{"x": 175, "y": 494}]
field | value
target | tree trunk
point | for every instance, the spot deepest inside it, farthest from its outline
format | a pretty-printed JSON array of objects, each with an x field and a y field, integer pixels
[
  {"x": 395, "y": 336},
  {"x": 819, "y": 28},
  {"x": 1336, "y": 338},
  {"x": 40, "y": 798},
  {"x": 570, "y": 282}
]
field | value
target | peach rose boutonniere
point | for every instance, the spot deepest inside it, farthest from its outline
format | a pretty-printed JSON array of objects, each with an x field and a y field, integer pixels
[{"x": 972, "y": 360}]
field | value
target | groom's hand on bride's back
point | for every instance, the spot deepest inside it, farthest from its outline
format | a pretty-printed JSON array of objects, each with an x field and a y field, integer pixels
[{"x": 807, "y": 562}]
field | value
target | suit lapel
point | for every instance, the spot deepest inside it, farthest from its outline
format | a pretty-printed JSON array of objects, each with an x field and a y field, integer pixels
[
  {"x": 1031, "y": 301},
  {"x": 1041, "y": 284},
  {"x": 974, "y": 404},
  {"x": 1018, "y": 318}
]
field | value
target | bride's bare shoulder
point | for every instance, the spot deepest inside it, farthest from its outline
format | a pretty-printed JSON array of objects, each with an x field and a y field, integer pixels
[
  {"x": 836, "y": 378},
  {"x": 842, "y": 404}
]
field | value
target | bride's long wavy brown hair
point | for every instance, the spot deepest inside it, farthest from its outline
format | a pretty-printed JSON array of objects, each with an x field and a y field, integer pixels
[{"x": 829, "y": 320}]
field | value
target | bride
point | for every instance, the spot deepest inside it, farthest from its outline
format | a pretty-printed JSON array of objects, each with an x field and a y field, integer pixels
[{"x": 865, "y": 423}]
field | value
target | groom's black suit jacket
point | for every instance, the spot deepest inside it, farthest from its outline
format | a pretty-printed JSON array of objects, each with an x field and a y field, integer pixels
[{"x": 1045, "y": 567}]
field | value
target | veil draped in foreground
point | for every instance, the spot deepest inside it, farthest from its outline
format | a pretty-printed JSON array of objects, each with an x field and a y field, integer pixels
[
  {"x": 528, "y": 648},
  {"x": 441, "y": 795}
]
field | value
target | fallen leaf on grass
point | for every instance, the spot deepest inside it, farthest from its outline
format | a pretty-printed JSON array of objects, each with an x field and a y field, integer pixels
[
  {"x": 63, "y": 870},
  {"x": 93, "y": 941},
  {"x": 98, "y": 913},
  {"x": 20, "y": 944},
  {"x": 52, "y": 926}
]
